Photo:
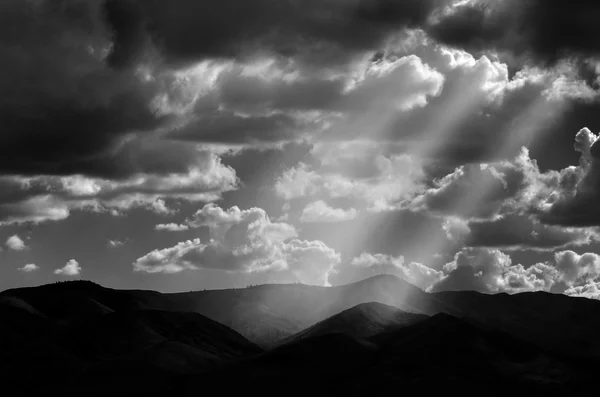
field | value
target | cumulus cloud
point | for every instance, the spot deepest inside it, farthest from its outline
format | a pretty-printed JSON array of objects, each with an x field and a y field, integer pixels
[
  {"x": 320, "y": 212},
  {"x": 511, "y": 204},
  {"x": 15, "y": 243},
  {"x": 42, "y": 198},
  {"x": 29, "y": 268},
  {"x": 485, "y": 270},
  {"x": 573, "y": 203},
  {"x": 115, "y": 243},
  {"x": 577, "y": 269},
  {"x": 491, "y": 271},
  {"x": 590, "y": 291},
  {"x": 475, "y": 269},
  {"x": 171, "y": 227},
  {"x": 367, "y": 264},
  {"x": 169, "y": 260},
  {"x": 244, "y": 241},
  {"x": 70, "y": 269},
  {"x": 392, "y": 178}
]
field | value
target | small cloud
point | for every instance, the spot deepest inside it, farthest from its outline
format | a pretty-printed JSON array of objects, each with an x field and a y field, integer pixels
[
  {"x": 321, "y": 212},
  {"x": 171, "y": 227},
  {"x": 15, "y": 243},
  {"x": 72, "y": 268},
  {"x": 160, "y": 207},
  {"x": 29, "y": 268},
  {"x": 115, "y": 243}
]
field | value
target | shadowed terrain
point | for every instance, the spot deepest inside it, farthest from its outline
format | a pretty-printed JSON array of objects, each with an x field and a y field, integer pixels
[{"x": 365, "y": 338}]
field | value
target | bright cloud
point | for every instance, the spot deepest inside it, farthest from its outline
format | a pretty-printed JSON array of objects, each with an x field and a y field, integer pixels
[
  {"x": 70, "y": 269},
  {"x": 171, "y": 227},
  {"x": 15, "y": 243},
  {"x": 244, "y": 241},
  {"x": 29, "y": 268},
  {"x": 319, "y": 212}
]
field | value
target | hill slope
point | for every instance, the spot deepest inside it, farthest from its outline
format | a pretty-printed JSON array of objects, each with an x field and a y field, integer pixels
[
  {"x": 436, "y": 356},
  {"x": 361, "y": 321},
  {"x": 100, "y": 337}
]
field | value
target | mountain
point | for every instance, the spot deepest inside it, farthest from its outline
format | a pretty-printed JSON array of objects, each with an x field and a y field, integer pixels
[
  {"x": 437, "y": 355},
  {"x": 102, "y": 337},
  {"x": 361, "y": 321},
  {"x": 264, "y": 314},
  {"x": 268, "y": 314},
  {"x": 362, "y": 336}
]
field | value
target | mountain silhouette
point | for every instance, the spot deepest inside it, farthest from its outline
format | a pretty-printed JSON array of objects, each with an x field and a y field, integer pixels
[{"x": 372, "y": 337}]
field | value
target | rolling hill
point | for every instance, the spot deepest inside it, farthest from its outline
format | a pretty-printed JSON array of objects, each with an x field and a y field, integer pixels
[
  {"x": 361, "y": 321},
  {"x": 362, "y": 336}
]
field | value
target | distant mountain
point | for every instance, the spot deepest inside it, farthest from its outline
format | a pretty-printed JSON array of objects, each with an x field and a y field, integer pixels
[
  {"x": 361, "y": 321},
  {"x": 266, "y": 314}
]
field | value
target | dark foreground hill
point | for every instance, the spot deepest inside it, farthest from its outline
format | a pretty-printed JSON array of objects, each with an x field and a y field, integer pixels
[
  {"x": 373, "y": 337},
  {"x": 441, "y": 355},
  {"x": 91, "y": 349}
]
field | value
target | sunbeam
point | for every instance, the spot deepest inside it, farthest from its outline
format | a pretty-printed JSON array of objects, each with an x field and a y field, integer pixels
[{"x": 524, "y": 130}]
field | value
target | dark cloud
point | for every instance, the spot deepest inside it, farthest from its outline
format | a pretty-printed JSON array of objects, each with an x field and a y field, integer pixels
[
  {"x": 528, "y": 29},
  {"x": 575, "y": 202},
  {"x": 188, "y": 30},
  {"x": 230, "y": 128},
  {"x": 62, "y": 105},
  {"x": 523, "y": 232}
]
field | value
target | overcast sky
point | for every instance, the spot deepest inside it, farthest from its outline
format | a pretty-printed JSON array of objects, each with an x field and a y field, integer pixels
[{"x": 184, "y": 145}]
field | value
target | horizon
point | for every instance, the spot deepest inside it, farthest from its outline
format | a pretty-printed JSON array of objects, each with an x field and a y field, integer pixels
[
  {"x": 249, "y": 286},
  {"x": 168, "y": 146}
]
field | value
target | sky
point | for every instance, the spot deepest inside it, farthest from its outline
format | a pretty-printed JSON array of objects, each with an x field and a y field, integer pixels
[{"x": 185, "y": 145}]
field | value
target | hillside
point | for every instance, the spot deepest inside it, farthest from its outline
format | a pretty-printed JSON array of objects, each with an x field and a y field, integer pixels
[
  {"x": 100, "y": 338},
  {"x": 361, "y": 321},
  {"x": 436, "y": 356},
  {"x": 361, "y": 336}
]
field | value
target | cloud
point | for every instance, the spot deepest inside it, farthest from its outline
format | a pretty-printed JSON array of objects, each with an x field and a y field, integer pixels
[
  {"x": 115, "y": 243},
  {"x": 244, "y": 241},
  {"x": 171, "y": 227},
  {"x": 506, "y": 204},
  {"x": 43, "y": 198},
  {"x": 475, "y": 269},
  {"x": 70, "y": 269},
  {"x": 526, "y": 30},
  {"x": 76, "y": 109},
  {"x": 577, "y": 188},
  {"x": 590, "y": 291},
  {"x": 168, "y": 260},
  {"x": 273, "y": 100},
  {"x": 317, "y": 32},
  {"x": 522, "y": 232},
  {"x": 577, "y": 269},
  {"x": 392, "y": 179},
  {"x": 311, "y": 262},
  {"x": 29, "y": 268},
  {"x": 319, "y": 212},
  {"x": 15, "y": 243},
  {"x": 492, "y": 271},
  {"x": 367, "y": 264}
]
